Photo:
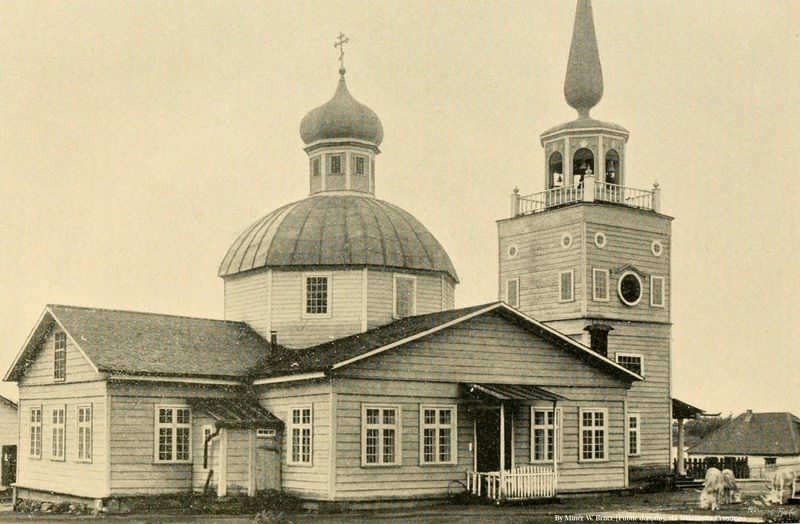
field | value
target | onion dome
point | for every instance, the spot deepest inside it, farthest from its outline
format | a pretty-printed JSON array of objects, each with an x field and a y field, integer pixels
[
  {"x": 341, "y": 117},
  {"x": 328, "y": 230},
  {"x": 583, "y": 85}
]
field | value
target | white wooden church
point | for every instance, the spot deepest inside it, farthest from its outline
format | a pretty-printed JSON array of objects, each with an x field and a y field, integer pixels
[{"x": 342, "y": 371}]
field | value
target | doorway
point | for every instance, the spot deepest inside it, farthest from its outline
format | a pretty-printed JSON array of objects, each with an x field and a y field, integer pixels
[
  {"x": 487, "y": 426},
  {"x": 9, "y": 465},
  {"x": 268, "y": 460}
]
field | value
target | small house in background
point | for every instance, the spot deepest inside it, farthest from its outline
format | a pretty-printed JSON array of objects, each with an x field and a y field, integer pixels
[
  {"x": 767, "y": 440},
  {"x": 9, "y": 435}
]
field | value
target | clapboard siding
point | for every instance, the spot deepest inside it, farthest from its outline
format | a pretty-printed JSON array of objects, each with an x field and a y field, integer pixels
[
  {"x": 306, "y": 481},
  {"x": 9, "y": 425},
  {"x": 133, "y": 467},
  {"x": 434, "y": 293},
  {"x": 246, "y": 300},
  {"x": 238, "y": 461},
  {"x": 69, "y": 476},
  {"x": 79, "y": 369}
]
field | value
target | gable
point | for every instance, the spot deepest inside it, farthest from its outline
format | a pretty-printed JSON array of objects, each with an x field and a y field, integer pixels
[{"x": 486, "y": 348}]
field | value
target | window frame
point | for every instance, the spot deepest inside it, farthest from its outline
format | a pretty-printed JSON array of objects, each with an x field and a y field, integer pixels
[
  {"x": 34, "y": 445},
  {"x": 398, "y": 431},
  {"x": 329, "y": 164},
  {"x": 629, "y": 431},
  {"x": 58, "y": 433},
  {"x": 619, "y": 288},
  {"x": 291, "y": 425},
  {"x": 558, "y": 436},
  {"x": 582, "y": 428},
  {"x": 174, "y": 426},
  {"x": 328, "y": 297},
  {"x": 59, "y": 338},
  {"x": 607, "y": 274},
  {"x": 629, "y": 354},
  {"x": 354, "y": 157},
  {"x": 663, "y": 281},
  {"x": 81, "y": 440},
  {"x": 515, "y": 280},
  {"x": 395, "y": 278},
  {"x": 571, "y": 273},
  {"x": 316, "y": 166},
  {"x": 437, "y": 426}
]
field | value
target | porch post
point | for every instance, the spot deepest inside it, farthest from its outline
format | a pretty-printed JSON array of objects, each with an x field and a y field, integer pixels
[
  {"x": 251, "y": 464},
  {"x": 502, "y": 446},
  {"x": 556, "y": 431},
  {"x": 222, "y": 478},
  {"x": 681, "y": 465},
  {"x": 475, "y": 440}
]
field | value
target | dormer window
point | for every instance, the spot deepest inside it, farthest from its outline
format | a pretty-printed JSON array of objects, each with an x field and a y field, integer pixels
[
  {"x": 315, "y": 166},
  {"x": 60, "y": 356},
  {"x": 359, "y": 165},
  {"x": 334, "y": 164}
]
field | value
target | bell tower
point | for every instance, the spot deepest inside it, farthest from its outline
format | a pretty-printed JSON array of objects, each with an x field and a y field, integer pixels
[{"x": 590, "y": 255}]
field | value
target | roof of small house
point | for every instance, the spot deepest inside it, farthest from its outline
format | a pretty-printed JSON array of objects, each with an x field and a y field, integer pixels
[
  {"x": 130, "y": 342},
  {"x": 8, "y": 402},
  {"x": 343, "y": 351},
  {"x": 753, "y": 434},
  {"x": 236, "y": 413}
]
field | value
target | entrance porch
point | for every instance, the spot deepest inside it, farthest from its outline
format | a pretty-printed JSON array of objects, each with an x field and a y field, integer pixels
[{"x": 497, "y": 473}]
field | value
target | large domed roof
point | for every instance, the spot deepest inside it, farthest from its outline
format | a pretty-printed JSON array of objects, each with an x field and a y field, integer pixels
[
  {"x": 337, "y": 230},
  {"x": 341, "y": 117}
]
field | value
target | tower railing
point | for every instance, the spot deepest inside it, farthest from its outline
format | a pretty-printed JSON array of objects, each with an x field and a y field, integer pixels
[{"x": 589, "y": 190}]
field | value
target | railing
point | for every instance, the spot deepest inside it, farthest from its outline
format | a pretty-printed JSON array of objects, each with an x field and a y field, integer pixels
[
  {"x": 589, "y": 190},
  {"x": 520, "y": 483},
  {"x": 697, "y": 467}
]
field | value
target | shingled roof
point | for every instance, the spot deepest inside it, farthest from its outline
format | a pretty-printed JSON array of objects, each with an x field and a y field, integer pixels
[
  {"x": 770, "y": 434},
  {"x": 139, "y": 343}
]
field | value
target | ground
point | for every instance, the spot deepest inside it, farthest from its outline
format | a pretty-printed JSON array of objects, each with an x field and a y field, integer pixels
[{"x": 656, "y": 506}]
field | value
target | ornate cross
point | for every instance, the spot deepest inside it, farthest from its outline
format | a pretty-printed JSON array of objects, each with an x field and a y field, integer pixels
[{"x": 341, "y": 40}]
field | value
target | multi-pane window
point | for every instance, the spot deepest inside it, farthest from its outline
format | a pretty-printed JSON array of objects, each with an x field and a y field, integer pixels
[
  {"x": 438, "y": 435},
  {"x": 512, "y": 292},
  {"x": 631, "y": 362},
  {"x": 315, "y": 166},
  {"x": 85, "y": 433},
  {"x": 173, "y": 434},
  {"x": 600, "y": 287},
  {"x": 316, "y": 295},
  {"x": 300, "y": 435},
  {"x": 565, "y": 286},
  {"x": 545, "y": 434},
  {"x": 334, "y": 164},
  {"x": 58, "y": 434},
  {"x": 60, "y": 356},
  {"x": 593, "y": 434},
  {"x": 36, "y": 432},
  {"x": 657, "y": 291},
  {"x": 405, "y": 294},
  {"x": 359, "y": 165},
  {"x": 380, "y": 435},
  {"x": 634, "y": 423}
]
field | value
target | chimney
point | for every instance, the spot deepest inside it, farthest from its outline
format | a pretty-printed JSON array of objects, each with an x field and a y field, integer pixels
[
  {"x": 599, "y": 337},
  {"x": 273, "y": 338}
]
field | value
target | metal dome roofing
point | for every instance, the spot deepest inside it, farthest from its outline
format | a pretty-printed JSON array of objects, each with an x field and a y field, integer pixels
[
  {"x": 341, "y": 117},
  {"x": 337, "y": 230}
]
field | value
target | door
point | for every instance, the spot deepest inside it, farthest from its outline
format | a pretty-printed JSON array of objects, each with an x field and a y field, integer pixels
[
  {"x": 9, "y": 465},
  {"x": 268, "y": 460},
  {"x": 488, "y": 433}
]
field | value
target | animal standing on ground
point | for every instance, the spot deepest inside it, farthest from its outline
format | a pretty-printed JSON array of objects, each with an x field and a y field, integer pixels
[
  {"x": 713, "y": 488},
  {"x": 731, "y": 492},
  {"x": 780, "y": 479}
]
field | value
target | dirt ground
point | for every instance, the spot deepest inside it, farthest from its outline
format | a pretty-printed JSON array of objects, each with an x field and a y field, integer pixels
[{"x": 678, "y": 506}]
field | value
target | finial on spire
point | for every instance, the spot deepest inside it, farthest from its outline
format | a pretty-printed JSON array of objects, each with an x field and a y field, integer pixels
[
  {"x": 341, "y": 40},
  {"x": 583, "y": 85}
]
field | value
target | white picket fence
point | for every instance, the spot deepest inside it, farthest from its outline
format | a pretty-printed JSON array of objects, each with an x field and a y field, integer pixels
[{"x": 520, "y": 483}]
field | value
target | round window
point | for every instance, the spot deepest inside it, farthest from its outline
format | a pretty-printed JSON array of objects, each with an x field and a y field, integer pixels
[
  {"x": 566, "y": 240},
  {"x": 512, "y": 251},
  {"x": 630, "y": 288},
  {"x": 657, "y": 248},
  {"x": 600, "y": 239}
]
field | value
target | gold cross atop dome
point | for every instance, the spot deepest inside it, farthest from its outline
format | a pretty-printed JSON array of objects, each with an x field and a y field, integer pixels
[{"x": 341, "y": 40}]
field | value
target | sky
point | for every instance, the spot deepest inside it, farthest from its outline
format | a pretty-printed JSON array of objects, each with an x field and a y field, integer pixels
[{"x": 138, "y": 139}]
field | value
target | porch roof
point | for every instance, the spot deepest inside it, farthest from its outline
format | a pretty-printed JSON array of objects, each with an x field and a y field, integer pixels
[
  {"x": 236, "y": 413},
  {"x": 511, "y": 392}
]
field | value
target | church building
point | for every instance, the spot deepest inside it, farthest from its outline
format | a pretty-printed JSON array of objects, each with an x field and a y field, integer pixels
[{"x": 342, "y": 372}]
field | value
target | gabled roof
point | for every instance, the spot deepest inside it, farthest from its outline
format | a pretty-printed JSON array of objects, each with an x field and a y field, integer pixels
[
  {"x": 315, "y": 361},
  {"x": 135, "y": 343},
  {"x": 8, "y": 402},
  {"x": 236, "y": 413},
  {"x": 754, "y": 434}
]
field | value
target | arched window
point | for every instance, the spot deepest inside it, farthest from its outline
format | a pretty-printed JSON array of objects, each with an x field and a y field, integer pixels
[
  {"x": 612, "y": 167},
  {"x": 555, "y": 171},
  {"x": 582, "y": 164}
]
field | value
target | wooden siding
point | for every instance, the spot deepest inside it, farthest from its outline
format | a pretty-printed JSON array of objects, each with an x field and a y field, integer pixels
[
  {"x": 434, "y": 293},
  {"x": 246, "y": 300},
  {"x": 9, "y": 425},
  {"x": 84, "y": 479},
  {"x": 305, "y": 481},
  {"x": 79, "y": 369},
  {"x": 238, "y": 461},
  {"x": 133, "y": 467}
]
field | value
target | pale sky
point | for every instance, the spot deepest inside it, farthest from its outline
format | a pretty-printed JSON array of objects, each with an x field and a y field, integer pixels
[{"x": 137, "y": 140}]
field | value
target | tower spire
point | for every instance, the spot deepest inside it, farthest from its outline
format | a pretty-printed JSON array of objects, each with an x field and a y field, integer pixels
[{"x": 583, "y": 85}]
